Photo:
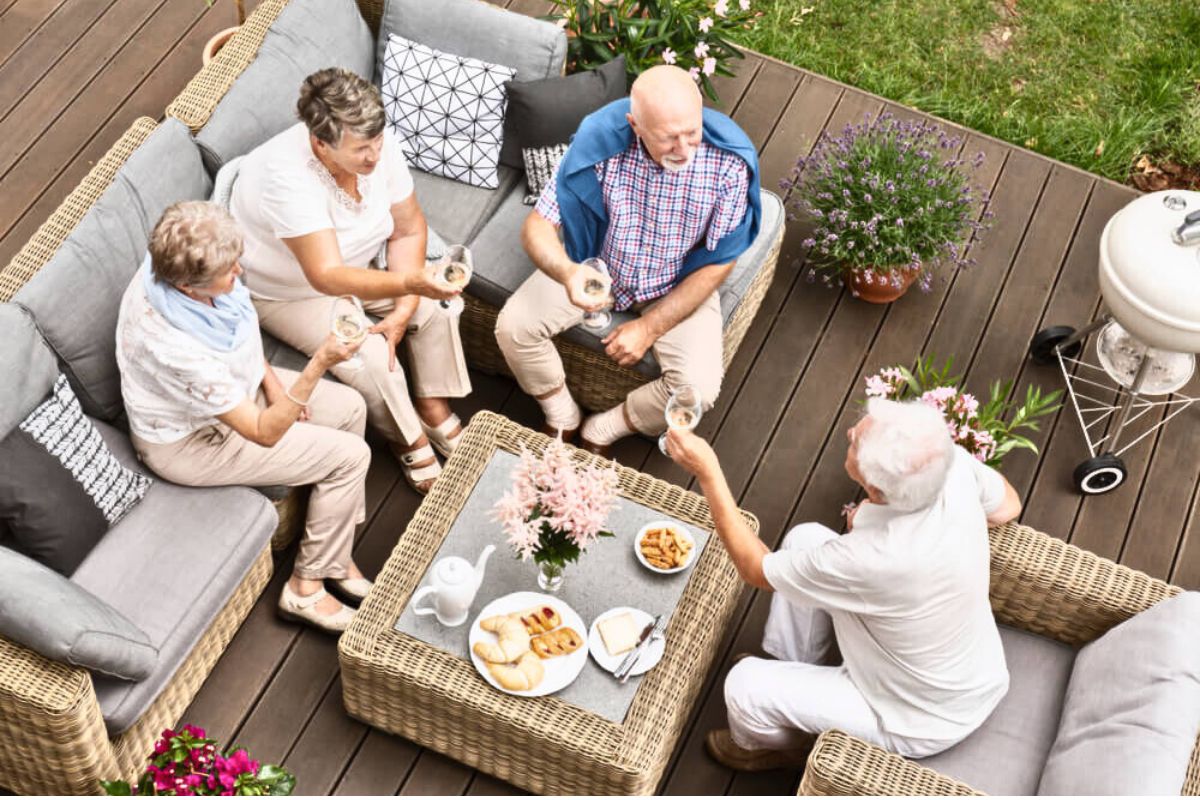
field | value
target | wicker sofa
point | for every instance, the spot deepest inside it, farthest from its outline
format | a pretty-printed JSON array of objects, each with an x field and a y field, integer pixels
[{"x": 1039, "y": 585}]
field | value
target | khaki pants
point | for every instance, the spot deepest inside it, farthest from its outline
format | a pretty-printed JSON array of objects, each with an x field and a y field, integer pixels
[
  {"x": 688, "y": 353},
  {"x": 328, "y": 451},
  {"x": 435, "y": 358}
]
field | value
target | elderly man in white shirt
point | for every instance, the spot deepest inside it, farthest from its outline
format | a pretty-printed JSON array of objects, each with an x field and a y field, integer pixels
[{"x": 905, "y": 592}]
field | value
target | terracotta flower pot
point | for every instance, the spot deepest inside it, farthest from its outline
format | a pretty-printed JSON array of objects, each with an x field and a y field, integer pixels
[
  {"x": 877, "y": 287},
  {"x": 213, "y": 46}
]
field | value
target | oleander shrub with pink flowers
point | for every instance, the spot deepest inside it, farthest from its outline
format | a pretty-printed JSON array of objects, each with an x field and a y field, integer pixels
[
  {"x": 887, "y": 196},
  {"x": 187, "y": 762},
  {"x": 557, "y": 507},
  {"x": 695, "y": 35},
  {"x": 986, "y": 430}
]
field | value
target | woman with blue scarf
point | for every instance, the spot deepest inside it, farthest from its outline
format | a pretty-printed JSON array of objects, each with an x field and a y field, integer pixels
[{"x": 206, "y": 409}]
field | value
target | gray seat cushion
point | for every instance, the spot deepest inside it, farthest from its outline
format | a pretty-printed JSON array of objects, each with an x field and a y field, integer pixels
[
  {"x": 1132, "y": 710},
  {"x": 1006, "y": 755},
  {"x": 456, "y": 210},
  {"x": 308, "y": 35},
  {"x": 534, "y": 48},
  {"x": 170, "y": 566},
  {"x": 501, "y": 266},
  {"x": 28, "y": 367},
  {"x": 76, "y": 296}
]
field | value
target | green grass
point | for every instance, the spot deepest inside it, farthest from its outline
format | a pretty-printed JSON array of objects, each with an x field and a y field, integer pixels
[{"x": 1094, "y": 83}]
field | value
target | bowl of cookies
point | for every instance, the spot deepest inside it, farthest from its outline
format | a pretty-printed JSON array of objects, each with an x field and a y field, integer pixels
[
  {"x": 528, "y": 644},
  {"x": 664, "y": 547}
]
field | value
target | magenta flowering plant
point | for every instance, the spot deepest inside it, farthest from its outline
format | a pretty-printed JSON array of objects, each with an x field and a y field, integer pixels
[
  {"x": 556, "y": 507},
  {"x": 695, "y": 35},
  {"x": 986, "y": 430},
  {"x": 885, "y": 197},
  {"x": 187, "y": 762}
]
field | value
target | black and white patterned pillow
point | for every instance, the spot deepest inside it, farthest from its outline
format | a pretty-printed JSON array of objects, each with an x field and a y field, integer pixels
[
  {"x": 60, "y": 426},
  {"x": 540, "y": 164},
  {"x": 447, "y": 110}
]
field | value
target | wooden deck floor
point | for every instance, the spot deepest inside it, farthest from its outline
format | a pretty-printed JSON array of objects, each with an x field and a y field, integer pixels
[{"x": 75, "y": 73}]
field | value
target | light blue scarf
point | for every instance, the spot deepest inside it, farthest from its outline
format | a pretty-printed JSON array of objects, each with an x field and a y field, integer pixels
[{"x": 224, "y": 326}]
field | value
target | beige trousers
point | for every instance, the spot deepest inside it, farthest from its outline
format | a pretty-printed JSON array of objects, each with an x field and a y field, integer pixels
[
  {"x": 689, "y": 353},
  {"x": 328, "y": 451},
  {"x": 432, "y": 342}
]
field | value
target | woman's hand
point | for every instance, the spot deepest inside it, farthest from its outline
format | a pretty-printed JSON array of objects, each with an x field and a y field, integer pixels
[
  {"x": 422, "y": 283},
  {"x": 392, "y": 327},
  {"x": 332, "y": 352},
  {"x": 693, "y": 454}
]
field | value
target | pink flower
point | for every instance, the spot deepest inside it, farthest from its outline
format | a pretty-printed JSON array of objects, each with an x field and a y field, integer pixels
[
  {"x": 668, "y": 56},
  {"x": 710, "y": 65},
  {"x": 194, "y": 732},
  {"x": 701, "y": 49},
  {"x": 744, "y": 5},
  {"x": 695, "y": 73},
  {"x": 705, "y": 24},
  {"x": 877, "y": 387},
  {"x": 722, "y": 8}
]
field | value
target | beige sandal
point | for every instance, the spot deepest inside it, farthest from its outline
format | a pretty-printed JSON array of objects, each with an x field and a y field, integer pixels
[
  {"x": 415, "y": 476},
  {"x": 439, "y": 435},
  {"x": 302, "y": 608}
]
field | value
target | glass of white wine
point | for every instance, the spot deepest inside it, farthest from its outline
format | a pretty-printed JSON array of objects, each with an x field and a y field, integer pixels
[
  {"x": 349, "y": 325},
  {"x": 597, "y": 285},
  {"x": 682, "y": 412},
  {"x": 454, "y": 269}
]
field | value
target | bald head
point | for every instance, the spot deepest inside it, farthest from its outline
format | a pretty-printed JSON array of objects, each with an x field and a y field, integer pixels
[{"x": 666, "y": 113}]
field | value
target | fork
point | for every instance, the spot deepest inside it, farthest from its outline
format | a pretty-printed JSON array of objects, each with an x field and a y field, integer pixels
[{"x": 657, "y": 633}]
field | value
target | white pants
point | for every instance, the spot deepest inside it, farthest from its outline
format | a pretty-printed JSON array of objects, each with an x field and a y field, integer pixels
[{"x": 778, "y": 705}]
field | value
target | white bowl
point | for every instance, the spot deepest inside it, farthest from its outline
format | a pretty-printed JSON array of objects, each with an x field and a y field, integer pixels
[{"x": 680, "y": 530}]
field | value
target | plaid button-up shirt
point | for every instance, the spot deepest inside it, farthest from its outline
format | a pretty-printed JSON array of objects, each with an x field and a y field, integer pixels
[{"x": 656, "y": 217}]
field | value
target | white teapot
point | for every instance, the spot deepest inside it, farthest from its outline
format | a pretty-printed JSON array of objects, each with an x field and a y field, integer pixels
[{"x": 453, "y": 583}]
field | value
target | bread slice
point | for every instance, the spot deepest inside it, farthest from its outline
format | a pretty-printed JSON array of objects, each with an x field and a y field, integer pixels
[{"x": 619, "y": 633}]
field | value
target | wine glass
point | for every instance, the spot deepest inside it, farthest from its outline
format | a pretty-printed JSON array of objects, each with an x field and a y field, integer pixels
[
  {"x": 682, "y": 412},
  {"x": 597, "y": 285},
  {"x": 349, "y": 325},
  {"x": 454, "y": 269}
]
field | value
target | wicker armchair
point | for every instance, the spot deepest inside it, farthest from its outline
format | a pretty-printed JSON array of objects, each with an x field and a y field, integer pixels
[{"x": 1039, "y": 584}]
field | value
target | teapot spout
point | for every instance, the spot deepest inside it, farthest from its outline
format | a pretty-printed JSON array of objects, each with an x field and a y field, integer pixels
[{"x": 481, "y": 563}]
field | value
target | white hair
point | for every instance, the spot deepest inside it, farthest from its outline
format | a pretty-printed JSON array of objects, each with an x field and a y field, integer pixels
[{"x": 905, "y": 452}]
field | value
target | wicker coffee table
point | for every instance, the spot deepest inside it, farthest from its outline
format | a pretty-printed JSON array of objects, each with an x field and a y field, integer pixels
[{"x": 400, "y": 684}]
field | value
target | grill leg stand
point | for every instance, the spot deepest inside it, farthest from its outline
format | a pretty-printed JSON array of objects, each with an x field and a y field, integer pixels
[
  {"x": 1127, "y": 405},
  {"x": 1084, "y": 332}
]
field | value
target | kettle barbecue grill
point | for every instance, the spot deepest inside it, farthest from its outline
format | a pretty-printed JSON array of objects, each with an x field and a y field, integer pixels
[{"x": 1148, "y": 337}]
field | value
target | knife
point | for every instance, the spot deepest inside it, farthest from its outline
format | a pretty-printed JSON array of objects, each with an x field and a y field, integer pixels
[{"x": 631, "y": 659}]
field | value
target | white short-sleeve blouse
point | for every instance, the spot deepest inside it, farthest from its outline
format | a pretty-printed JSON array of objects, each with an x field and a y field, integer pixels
[{"x": 282, "y": 192}]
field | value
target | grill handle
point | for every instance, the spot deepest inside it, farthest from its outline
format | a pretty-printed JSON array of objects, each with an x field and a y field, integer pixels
[{"x": 1189, "y": 232}]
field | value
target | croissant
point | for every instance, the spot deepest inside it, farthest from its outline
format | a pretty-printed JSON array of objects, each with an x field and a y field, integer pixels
[
  {"x": 540, "y": 619},
  {"x": 512, "y": 641},
  {"x": 558, "y": 642},
  {"x": 520, "y": 677}
]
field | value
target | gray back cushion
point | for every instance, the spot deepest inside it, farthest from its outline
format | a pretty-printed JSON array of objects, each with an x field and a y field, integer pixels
[
  {"x": 535, "y": 48},
  {"x": 45, "y": 612},
  {"x": 28, "y": 367},
  {"x": 75, "y": 297},
  {"x": 1006, "y": 755},
  {"x": 1132, "y": 711},
  {"x": 170, "y": 566},
  {"x": 457, "y": 211},
  {"x": 309, "y": 35}
]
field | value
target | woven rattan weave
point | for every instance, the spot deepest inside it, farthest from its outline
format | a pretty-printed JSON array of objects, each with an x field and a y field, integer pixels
[
  {"x": 1038, "y": 584},
  {"x": 52, "y": 737},
  {"x": 399, "y": 684}
]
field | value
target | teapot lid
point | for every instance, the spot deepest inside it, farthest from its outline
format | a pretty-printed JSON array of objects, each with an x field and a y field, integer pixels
[{"x": 453, "y": 570}]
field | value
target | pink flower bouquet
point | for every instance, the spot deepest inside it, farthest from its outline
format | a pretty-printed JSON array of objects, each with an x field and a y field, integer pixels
[
  {"x": 188, "y": 763},
  {"x": 556, "y": 507},
  {"x": 980, "y": 429}
]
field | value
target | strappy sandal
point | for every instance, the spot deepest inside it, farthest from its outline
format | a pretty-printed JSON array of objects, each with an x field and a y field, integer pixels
[
  {"x": 415, "y": 476},
  {"x": 439, "y": 435}
]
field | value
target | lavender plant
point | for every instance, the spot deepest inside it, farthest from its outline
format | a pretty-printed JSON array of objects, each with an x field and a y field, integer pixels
[{"x": 887, "y": 197}]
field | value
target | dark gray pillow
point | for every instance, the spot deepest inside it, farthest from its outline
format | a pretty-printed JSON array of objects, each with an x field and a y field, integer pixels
[
  {"x": 541, "y": 164},
  {"x": 61, "y": 488},
  {"x": 549, "y": 111},
  {"x": 1132, "y": 709},
  {"x": 45, "y": 612}
]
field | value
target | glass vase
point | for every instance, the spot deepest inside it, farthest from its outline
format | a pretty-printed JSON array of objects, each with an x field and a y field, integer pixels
[{"x": 550, "y": 577}]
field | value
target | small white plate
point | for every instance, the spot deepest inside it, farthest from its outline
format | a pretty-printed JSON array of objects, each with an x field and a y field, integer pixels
[
  {"x": 561, "y": 671},
  {"x": 650, "y": 656},
  {"x": 683, "y": 533}
]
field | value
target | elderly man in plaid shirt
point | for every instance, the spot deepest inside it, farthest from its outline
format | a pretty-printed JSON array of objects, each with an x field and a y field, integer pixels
[{"x": 666, "y": 193}]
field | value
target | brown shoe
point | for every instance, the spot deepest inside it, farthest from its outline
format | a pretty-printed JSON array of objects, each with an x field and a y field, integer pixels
[
  {"x": 602, "y": 450},
  {"x": 568, "y": 435},
  {"x": 740, "y": 657},
  {"x": 720, "y": 746}
]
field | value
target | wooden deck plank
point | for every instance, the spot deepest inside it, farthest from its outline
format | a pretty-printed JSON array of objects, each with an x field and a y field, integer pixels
[
  {"x": 764, "y": 101},
  {"x": 435, "y": 774},
  {"x": 730, "y": 89},
  {"x": 23, "y": 20},
  {"x": 1186, "y": 570},
  {"x": 324, "y": 749},
  {"x": 379, "y": 766}
]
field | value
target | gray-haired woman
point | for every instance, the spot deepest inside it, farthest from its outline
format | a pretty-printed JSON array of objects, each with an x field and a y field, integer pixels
[
  {"x": 206, "y": 409},
  {"x": 316, "y": 203}
]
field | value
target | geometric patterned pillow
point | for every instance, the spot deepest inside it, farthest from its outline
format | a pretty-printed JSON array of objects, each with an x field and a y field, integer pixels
[
  {"x": 540, "y": 164},
  {"x": 448, "y": 111}
]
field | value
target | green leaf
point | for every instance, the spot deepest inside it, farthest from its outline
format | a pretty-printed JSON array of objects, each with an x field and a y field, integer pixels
[{"x": 116, "y": 788}]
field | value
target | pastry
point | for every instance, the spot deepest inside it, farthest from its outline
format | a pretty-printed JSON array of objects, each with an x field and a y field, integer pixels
[
  {"x": 540, "y": 619},
  {"x": 512, "y": 639},
  {"x": 558, "y": 642},
  {"x": 619, "y": 633},
  {"x": 526, "y": 674}
]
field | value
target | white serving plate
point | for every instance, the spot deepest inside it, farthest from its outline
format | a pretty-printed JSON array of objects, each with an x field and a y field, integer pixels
[{"x": 561, "y": 671}]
